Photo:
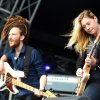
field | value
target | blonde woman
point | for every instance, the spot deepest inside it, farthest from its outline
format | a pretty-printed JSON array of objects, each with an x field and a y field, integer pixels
[{"x": 86, "y": 28}]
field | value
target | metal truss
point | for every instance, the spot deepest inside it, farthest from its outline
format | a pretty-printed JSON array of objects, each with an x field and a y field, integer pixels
[
  {"x": 25, "y": 8},
  {"x": 65, "y": 65}
]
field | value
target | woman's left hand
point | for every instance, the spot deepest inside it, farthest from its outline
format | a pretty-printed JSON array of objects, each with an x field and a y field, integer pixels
[{"x": 90, "y": 61}]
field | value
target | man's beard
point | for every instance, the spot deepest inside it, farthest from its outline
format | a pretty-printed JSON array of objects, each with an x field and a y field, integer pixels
[{"x": 15, "y": 45}]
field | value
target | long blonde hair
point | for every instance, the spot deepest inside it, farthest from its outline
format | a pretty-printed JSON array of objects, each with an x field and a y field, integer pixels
[{"x": 79, "y": 38}]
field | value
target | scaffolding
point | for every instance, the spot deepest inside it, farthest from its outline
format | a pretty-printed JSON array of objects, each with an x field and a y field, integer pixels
[{"x": 25, "y": 8}]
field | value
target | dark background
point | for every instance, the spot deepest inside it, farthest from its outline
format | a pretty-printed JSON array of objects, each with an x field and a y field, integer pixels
[{"x": 52, "y": 22}]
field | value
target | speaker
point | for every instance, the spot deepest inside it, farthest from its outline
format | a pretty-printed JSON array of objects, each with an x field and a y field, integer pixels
[
  {"x": 69, "y": 98},
  {"x": 61, "y": 83}
]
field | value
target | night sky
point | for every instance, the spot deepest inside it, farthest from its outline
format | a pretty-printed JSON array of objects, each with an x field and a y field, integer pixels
[{"x": 53, "y": 20}]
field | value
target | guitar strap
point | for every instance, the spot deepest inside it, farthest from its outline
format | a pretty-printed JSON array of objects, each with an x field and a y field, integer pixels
[{"x": 27, "y": 59}]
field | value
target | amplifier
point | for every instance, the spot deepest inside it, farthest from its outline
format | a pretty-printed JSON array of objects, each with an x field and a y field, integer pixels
[
  {"x": 61, "y": 83},
  {"x": 69, "y": 98}
]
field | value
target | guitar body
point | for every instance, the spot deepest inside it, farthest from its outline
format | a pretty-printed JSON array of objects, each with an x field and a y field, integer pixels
[
  {"x": 6, "y": 79},
  {"x": 83, "y": 81},
  {"x": 12, "y": 88},
  {"x": 11, "y": 79}
]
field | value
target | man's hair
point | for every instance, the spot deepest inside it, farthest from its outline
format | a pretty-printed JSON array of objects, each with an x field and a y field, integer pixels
[{"x": 15, "y": 21}]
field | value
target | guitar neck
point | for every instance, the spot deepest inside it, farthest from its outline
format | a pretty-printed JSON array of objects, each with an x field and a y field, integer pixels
[
  {"x": 23, "y": 85},
  {"x": 91, "y": 51}
]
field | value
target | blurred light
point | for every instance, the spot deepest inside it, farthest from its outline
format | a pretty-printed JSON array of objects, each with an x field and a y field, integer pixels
[{"x": 47, "y": 67}]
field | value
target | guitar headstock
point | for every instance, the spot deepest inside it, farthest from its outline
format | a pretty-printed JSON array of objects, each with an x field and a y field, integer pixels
[{"x": 49, "y": 94}]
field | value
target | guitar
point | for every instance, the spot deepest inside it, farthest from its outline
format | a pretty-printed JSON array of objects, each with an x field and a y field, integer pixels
[
  {"x": 82, "y": 81},
  {"x": 9, "y": 82}
]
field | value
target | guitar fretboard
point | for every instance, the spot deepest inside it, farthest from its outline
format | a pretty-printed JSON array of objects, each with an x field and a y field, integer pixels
[{"x": 23, "y": 85}]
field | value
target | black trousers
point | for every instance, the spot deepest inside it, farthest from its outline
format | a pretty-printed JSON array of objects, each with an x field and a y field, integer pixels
[
  {"x": 27, "y": 97},
  {"x": 93, "y": 90}
]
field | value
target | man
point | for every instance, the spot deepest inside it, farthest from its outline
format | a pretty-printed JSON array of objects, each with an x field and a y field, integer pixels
[{"x": 17, "y": 32}]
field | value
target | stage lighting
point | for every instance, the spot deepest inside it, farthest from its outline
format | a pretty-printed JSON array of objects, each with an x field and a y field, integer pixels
[{"x": 47, "y": 67}]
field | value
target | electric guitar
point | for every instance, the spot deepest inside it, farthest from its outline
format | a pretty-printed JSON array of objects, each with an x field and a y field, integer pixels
[
  {"x": 9, "y": 82},
  {"x": 82, "y": 81}
]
